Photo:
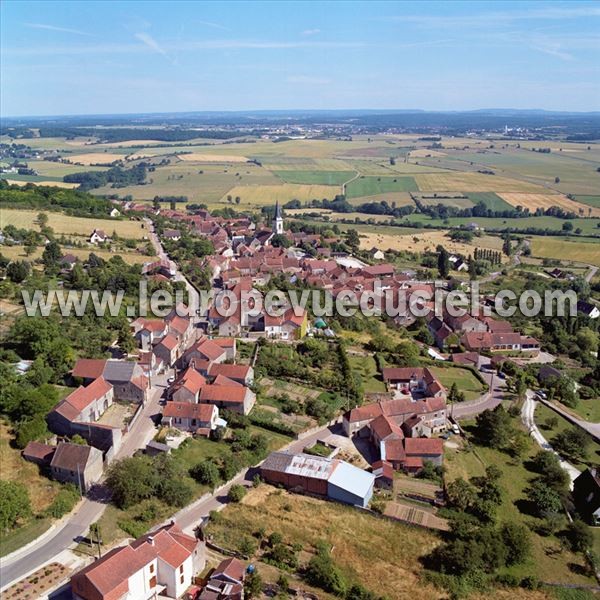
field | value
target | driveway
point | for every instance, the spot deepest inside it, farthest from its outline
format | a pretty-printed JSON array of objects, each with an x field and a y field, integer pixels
[{"x": 495, "y": 395}]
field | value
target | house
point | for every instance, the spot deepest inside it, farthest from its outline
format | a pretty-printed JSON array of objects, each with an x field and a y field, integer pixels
[
  {"x": 332, "y": 478},
  {"x": 167, "y": 349},
  {"x": 149, "y": 331},
  {"x": 200, "y": 419},
  {"x": 425, "y": 449},
  {"x": 204, "y": 350},
  {"x": 172, "y": 235},
  {"x": 84, "y": 405},
  {"x": 233, "y": 397},
  {"x": 589, "y": 310},
  {"x": 181, "y": 328},
  {"x": 384, "y": 474},
  {"x": 114, "y": 213},
  {"x": 67, "y": 262},
  {"x": 467, "y": 359},
  {"x": 242, "y": 374},
  {"x": 376, "y": 254},
  {"x": 226, "y": 582},
  {"x": 163, "y": 562},
  {"x": 98, "y": 237},
  {"x": 400, "y": 410},
  {"x": 38, "y": 453},
  {"x": 127, "y": 378},
  {"x": 187, "y": 386},
  {"x": 78, "y": 464},
  {"x": 416, "y": 382},
  {"x": 498, "y": 342},
  {"x": 586, "y": 493},
  {"x": 548, "y": 372}
]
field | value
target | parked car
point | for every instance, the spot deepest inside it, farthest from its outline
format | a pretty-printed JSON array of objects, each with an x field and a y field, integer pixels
[{"x": 541, "y": 394}]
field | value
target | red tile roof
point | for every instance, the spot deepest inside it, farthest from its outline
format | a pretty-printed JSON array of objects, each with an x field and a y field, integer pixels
[
  {"x": 234, "y": 394},
  {"x": 38, "y": 451},
  {"x": 423, "y": 446},
  {"x": 188, "y": 410},
  {"x": 89, "y": 368},
  {"x": 82, "y": 397},
  {"x": 230, "y": 371}
]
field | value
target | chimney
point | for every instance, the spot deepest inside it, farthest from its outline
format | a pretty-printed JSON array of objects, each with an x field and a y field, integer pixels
[{"x": 150, "y": 540}]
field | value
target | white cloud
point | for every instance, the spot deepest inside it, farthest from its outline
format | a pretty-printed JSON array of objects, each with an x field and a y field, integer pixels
[
  {"x": 48, "y": 27},
  {"x": 311, "y": 31},
  {"x": 213, "y": 25},
  {"x": 147, "y": 39}
]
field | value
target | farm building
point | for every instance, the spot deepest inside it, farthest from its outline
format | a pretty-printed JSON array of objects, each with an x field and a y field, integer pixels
[{"x": 332, "y": 478}]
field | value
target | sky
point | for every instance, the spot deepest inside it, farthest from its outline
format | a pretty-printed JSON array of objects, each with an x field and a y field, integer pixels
[{"x": 60, "y": 58}]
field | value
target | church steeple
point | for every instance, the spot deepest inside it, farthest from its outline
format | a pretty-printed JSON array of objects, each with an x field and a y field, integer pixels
[{"x": 278, "y": 219}]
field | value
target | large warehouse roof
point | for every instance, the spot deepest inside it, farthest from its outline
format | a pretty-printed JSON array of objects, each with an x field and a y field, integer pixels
[{"x": 303, "y": 465}]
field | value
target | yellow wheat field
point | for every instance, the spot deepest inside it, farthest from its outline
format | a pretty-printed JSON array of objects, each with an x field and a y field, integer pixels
[
  {"x": 94, "y": 158},
  {"x": 534, "y": 201},
  {"x": 472, "y": 182},
  {"x": 196, "y": 157},
  {"x": 423, "y": 152},
  {"x": 60, "y": 184},
  {"x": 269, "y": 194}
]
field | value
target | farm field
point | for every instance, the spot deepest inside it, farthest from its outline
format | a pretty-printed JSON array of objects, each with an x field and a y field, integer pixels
[
  {"x": 544, "y": 201},
  {"x": 472, "y": 182},
  {"x": 366, "y": 367},
  {"x": 549, "y": 247},
  {"x": 455, "y": 202},
  {"x": 316, "y": 177},
  {"x": 200, "y": 183},
  {"x": 370, "y": 186},
  {"x": 420, "y": 241},
  {"x": 198, "y": 157},
  {"x": 27, "y": 219},
  {"x": 464, "y": 379},
  {"x": 47, "y": 168},
  {"x": 94, "y": 158},
  {"x": 131, "y": 258},
  {"x": 490, "y": 199},
  {"x": 263, "y": 195},
  {"x": 589, "y": 200},
  {"x": 22, "y": 180}
]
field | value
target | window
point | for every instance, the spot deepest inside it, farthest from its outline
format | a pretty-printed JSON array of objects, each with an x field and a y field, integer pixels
[
  {"x": 181, "y": 579},
  {"x": 152, "y": 582},
  {"x": 181, "y": 569},
  {"x": 152, "y": 568}
]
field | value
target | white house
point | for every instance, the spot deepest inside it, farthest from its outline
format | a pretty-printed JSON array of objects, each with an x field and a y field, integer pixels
[
  {"x": 163, "y": 563},
  {"x": 98, "y": 237}
]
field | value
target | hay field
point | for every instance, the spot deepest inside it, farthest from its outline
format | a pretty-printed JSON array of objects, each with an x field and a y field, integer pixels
[
  {"x": 262, "y": 195},
  {"x": 131, "y": 258},
  {"x": 424, "y": 152},
  {"x": 47, "y": 168},
  {"x": 316, "y": 177},
  {"x": 534, "y": 201},
  {"x": 548, "y": 247},
  {"x": 27, "y": 219},
  {"x": 371, "y": 186},
  {"x": 94, "y": 158},
  {"x": 473, "y": 182},
  {"x": 400, "y": 198},
  {"x": 333, "y": 216},
  {"x": 43, "y": 182},
  {"x": 198, "y": 157},
  {"x": 419, "y": 241}
]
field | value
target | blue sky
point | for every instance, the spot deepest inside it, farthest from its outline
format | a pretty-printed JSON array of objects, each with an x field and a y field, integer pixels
[{"x": 123, "y": 57}]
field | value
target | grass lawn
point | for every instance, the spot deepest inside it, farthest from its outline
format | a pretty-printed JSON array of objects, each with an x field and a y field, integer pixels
[
  {"x": 61, "y": 223},
  {"x": 366, "y": 367},
  {"x": 464, "y": 379},
  {"x": 542, "y": 413},
  {"x": 13, "y": 540},
  {"x": 548, "y": 561},
  {"x": 589, "y": 410},
  {"x": 370, "y": 186}
]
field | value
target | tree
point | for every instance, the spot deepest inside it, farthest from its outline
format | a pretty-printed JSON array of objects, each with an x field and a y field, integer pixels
[
  {"x": 567, "y": 226},
  {"x": 443, "y": 262},
  {"x": 545, "y": 500},
  {"x": 557, "y": 180},
  {"x": 461, "y": 494},
  {"x": 507, "y": 245},
  {"x": 131, "y": 480},
  {"x": 51, "y": 257},
  {"x": 42, "y": 219},
  {"x": 572, "y": 442},
  {"x": 353, "y": 240},
  {"x": 494, "y": 428},
  {"x": 14, "y": 504},
  {"x": 322, "y": 572},
  {"x": 236, "y": 493},
  {"x": 18, "y": 271},
  {"x": 253, "y": 585},
  {"x": 125, "y": 339},
  {"x": 517, "y": 541},
  {"x": 207, "y": 473},
  {"x": 579, "y": 536},
  {"x": 280, "y": 241}
]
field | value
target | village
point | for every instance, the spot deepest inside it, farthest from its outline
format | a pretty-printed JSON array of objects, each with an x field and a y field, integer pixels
[{"x": 187, "y": 379}]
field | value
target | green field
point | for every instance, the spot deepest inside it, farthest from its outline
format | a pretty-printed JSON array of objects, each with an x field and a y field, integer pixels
[
  {"x": 556, "y": 247},
  {"x": 491, "y": 200},
  {"x": 464, "y": 379},
  {"x": 370, "y": 186},
  {"x": 366, "y": 367},
  {"x": 316, "y": 177},
  {"x": 589, "y": 200}
]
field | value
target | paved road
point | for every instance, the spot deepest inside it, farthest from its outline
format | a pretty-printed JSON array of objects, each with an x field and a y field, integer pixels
[
  {"x": 527, "y": 416},
  {"x": 63, "y": 536},
  {"x": 590, "y": 274},
  {"x": 466, "y": 410},
  {"x": 189, "y": 517}
]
